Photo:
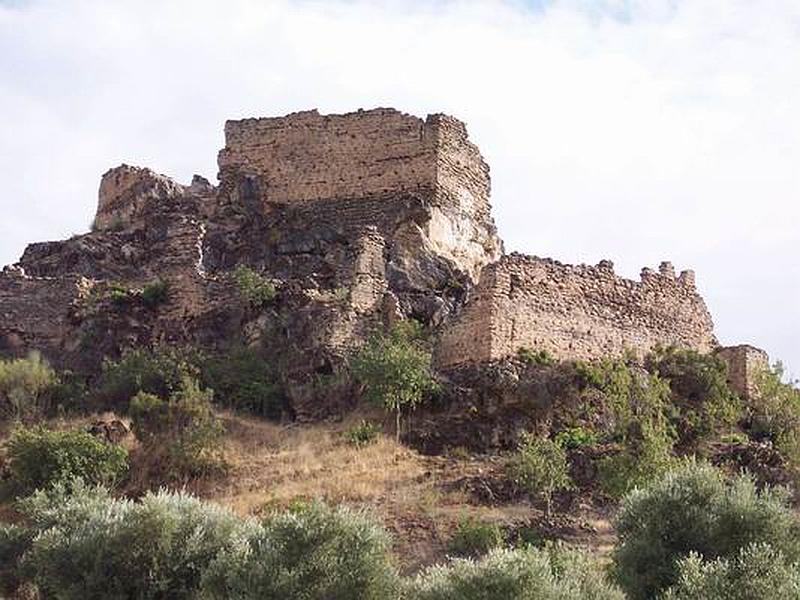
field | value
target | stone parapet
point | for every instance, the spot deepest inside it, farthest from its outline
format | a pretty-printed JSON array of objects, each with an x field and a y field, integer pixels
[{"x": 574, "y": 311}]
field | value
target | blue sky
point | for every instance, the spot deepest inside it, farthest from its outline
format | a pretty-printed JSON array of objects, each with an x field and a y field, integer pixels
[{"x": 638, "y": 131}]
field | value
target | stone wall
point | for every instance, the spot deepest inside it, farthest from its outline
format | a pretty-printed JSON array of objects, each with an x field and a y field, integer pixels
[
  {"x": 571, "y": 311},
  {"x": 306, "y": 156},
  {"x": 36, "y": 312},
  {"x": 382, "y": 153},
  {"x": 745, "y": 363}
]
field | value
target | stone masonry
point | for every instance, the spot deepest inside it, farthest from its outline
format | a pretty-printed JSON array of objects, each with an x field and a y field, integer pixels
[
  {"x": 359, "y": 220},
  {"x": 745, "y": 364},
  {"x": 575, "y": 312},
  {"x": 308, "y": 157}
]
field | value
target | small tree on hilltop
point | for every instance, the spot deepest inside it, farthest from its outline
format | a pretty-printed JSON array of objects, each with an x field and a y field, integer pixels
[{"x": 395, "y": 369}]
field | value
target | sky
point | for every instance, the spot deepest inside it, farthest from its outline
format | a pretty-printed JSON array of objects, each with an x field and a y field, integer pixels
[{"x": 631, "y": 130}]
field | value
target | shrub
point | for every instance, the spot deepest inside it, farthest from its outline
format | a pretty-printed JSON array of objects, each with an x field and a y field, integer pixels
[
  {"x": 475, "y": 538},
  {"x": 254, "y": 288},
  {"x": 757, "y": 571},
  {"x": 158, "y": 371},
  {"x": 642, "y": 460},
  {"x": 39, "y": 458},
  {"x": 315, "y": 553},
  {"x": 702, "y": 402},
  {"x": 362, "y": 434},
  {"x": 24, "y": 384},
  {"x": 535, "y": 357},
  {"x": 184, "y": 424},
  {"x": 14, "y": 540},
  {"x": 694, "y": 509},
  {"x": 540, "y": 467},
  {"x": 395, "y": 369},
  {"x": 88, "y": 545},
  {"x": 243, "y": 380},
  {"x": 576, "y": 437},
  {"x": 552, "y": 573},
  {"x": 774, "y": 408},
  {"x": 633, "y": 399},
  {"x": 637, "y": 408},
  {"x": 155, "y": 293}
]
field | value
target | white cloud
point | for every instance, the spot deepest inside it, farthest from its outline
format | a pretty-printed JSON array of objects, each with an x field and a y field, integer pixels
[{"x": 636, "y": 130}]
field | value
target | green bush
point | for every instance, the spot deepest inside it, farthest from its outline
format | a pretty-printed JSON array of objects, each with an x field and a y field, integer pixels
[
  {"x": 552, "y": 573},
  {"x": 244, "y": 380},
  {"x": 184, "y": 424},
  {"x": 315, "y": 553},
  {"x": 475, "y": 538},
  {"x": 158, "y": 371},
  {"x": 631, "y": 398},
  {"x": 773, "y": 412},
  {"x": 695, "y": 509},
  {"x": 572, "y": 438},
  {"x": 155, "y": 293},
  {"x": 150, "y": 295},
  {"x": 24, "y": 387},
  {"x": 14, "y": 541},
  {"x": 395, "y": 369},
  {"x": 254, "y": 288},
  {"x": 535, "y": 357},
  {"x": 540, "y": 468},
  {"x": 702, "y": 402},
  {"x": 757, "y": 571},
  {"x": 643, "y": 459},
  {"x": 89, "y": 545},
  {"x": 636, "y": 409},
  {"x": 362, "y": 434},
  {"x": 39, "y": 458}
]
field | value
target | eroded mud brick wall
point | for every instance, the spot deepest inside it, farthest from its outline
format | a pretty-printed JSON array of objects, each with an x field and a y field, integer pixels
[{"x": 575, "y": 312}]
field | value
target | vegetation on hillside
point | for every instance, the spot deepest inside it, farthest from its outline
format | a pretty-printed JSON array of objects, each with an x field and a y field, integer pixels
[{"x": 657, "y": 445}]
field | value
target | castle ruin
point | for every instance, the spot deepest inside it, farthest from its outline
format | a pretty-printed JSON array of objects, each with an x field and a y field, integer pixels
[{"x": 358, "y": 219}]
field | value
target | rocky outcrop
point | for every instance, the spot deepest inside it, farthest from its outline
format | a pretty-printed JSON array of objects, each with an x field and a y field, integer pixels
[
  {"x": 358, "y": 220},
  {"x": 126, "y": 193}
]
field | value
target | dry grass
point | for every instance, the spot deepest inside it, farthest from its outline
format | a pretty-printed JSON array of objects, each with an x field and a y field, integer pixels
[
  {"x": 419, "y": 499},
  {"x": 273, "y": 466}
]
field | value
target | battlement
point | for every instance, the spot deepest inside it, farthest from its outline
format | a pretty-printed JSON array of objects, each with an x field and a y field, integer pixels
[{"x": 575, "y": 311}]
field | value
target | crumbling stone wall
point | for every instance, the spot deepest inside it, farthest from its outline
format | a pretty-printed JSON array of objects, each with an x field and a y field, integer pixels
[
  {"x": 745, "y": 364},
  {"x": 125, "y": 193},
  {"x": 307, "y": 157},
  {"x": 36, "y": 312},
  {"x": 572, "y": 311}
]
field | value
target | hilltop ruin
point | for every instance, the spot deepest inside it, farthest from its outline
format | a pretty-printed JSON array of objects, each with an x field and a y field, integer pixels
[{"x": 359, "y": 220}]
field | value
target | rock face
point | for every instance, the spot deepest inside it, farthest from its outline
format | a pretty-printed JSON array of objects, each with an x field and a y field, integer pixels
[
  {"x": 358, "y": 220},
  {"x": 126, "y": 192}
]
